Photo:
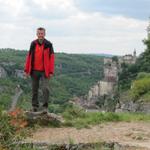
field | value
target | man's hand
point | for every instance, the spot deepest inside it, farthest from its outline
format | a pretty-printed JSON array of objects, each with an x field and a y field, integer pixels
[
  {"x": 51, "y": 75},
  {"x": 25, "y": 75}
]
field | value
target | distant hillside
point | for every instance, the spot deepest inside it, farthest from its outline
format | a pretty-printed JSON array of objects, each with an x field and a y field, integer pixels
[
  {"x": 102, "y": 54},
  {"x": 74, "y": 75}
]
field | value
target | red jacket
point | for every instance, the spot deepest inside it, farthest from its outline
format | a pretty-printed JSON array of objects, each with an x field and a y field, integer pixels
[{"x": 48, "y": 55}]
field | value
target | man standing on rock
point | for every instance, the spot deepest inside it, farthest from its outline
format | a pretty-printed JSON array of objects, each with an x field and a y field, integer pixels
[{"x": 40, "y": 66}]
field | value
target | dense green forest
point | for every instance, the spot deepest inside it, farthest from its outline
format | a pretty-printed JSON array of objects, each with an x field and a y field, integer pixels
[{"x": 74, "y": 75}]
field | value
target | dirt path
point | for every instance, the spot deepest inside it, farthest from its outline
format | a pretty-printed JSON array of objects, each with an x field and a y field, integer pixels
[
  {"x": 18, "y": 92},
  {"x": 132, "y": 134}
]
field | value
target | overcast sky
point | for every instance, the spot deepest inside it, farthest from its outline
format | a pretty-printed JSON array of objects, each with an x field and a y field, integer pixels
[{"x": 76, "y": 26}]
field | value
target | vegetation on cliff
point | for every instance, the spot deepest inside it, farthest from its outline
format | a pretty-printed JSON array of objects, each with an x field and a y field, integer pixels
[{"x": 137, "y": 76}]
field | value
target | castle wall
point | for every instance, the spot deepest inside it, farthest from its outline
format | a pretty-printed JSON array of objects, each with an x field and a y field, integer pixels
[
  {"x": 100, "y": 89},
  {"x": 106, "y": 88},
  {"x": 111, "y": 74}
]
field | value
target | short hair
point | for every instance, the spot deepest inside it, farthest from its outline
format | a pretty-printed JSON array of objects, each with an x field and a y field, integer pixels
[{"x": 41, "y": 28}]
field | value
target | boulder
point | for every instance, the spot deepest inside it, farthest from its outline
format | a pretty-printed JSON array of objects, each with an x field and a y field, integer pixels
[
  {"x": 3, "y": 73},
  {"x": 43, "y": 118}
]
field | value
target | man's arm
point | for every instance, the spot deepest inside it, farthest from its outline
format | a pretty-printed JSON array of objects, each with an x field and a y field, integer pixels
[
  {"x": 52, "y": 60},
  {"x": 27, "y": 66}
]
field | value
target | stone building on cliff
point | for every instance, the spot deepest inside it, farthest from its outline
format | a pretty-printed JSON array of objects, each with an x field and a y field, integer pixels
[
  {"x": 111, "y": 70},
  {"x": 106, "y": 85}
]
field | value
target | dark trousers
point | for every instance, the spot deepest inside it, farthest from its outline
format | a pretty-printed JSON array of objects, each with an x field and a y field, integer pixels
[{"x": 36, "y": 77}]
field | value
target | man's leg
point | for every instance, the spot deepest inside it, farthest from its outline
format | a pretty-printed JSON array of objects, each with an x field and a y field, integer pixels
[
  {"x": 35, "y": 87},
  {"x": 45, "y": 90}
]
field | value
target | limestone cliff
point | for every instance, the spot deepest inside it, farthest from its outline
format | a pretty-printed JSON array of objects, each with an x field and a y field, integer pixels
[
  {"x": 102, "y": 95},
  {"x": 3, "y": 73}
]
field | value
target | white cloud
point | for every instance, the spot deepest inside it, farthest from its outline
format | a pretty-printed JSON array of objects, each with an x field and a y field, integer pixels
[
  {"x": 63, "y": 4},
  {"x": 135, "y": 9},
  {"x": 70, "y": 29},
  {"x": 11, "y": 8}
]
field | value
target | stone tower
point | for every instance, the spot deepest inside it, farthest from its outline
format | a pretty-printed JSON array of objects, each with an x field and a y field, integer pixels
[
  {"x": 110, "y": 70},
  {"x": 134, "y": 56}
]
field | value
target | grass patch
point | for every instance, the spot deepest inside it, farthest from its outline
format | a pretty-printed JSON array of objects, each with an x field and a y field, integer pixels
[
  {"x": 91, "y": 119},
  {"x": 78, "y": 118},
  {"x": 134, "y": 117},
  {"x": 12, "y": 131}
]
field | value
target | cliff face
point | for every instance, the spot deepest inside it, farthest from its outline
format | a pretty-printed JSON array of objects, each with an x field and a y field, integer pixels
[
  {"x": 14, "y": 72},
  {"x": 103, "y": 96},
  {"x": 126, "y": 104},
  {"x": 100, "y": 89},
  {"x": 3, "y": 73},
  {"x": 19, "y": 73},
  {"x": 131, "y": 106}
]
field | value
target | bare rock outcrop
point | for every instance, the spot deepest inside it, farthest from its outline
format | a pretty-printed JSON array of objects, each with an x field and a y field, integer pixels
[{"x": 3, "y": 73}]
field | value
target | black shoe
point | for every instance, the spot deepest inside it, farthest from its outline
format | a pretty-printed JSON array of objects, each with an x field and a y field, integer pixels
[
  {"x": 45, "y": 111},
  {"x": 34, "y": 109}
]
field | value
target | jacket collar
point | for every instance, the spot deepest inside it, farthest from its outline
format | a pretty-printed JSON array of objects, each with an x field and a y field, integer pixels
[{"x": 37, "y": 42}]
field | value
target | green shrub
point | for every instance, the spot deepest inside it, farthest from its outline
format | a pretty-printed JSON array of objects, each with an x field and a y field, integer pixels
[
  {"x": 140, "y": 87},
  {"x": 7, "y": 131},
  {"x": 10, "y": 133},
  {"x": 143, "y": 75}
]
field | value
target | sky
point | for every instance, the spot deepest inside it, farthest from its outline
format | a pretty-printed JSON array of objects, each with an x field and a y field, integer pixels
[{"x": 76, "y": 26}]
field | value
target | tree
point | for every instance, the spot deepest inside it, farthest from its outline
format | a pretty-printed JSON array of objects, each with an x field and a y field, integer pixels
[{"x": 143, "y": 61}]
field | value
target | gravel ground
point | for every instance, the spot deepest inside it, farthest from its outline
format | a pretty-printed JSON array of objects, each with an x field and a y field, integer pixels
[{"x": 125, "y": 133}]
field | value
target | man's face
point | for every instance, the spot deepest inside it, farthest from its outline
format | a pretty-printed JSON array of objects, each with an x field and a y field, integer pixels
[{"x": 40, "y": 34}]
